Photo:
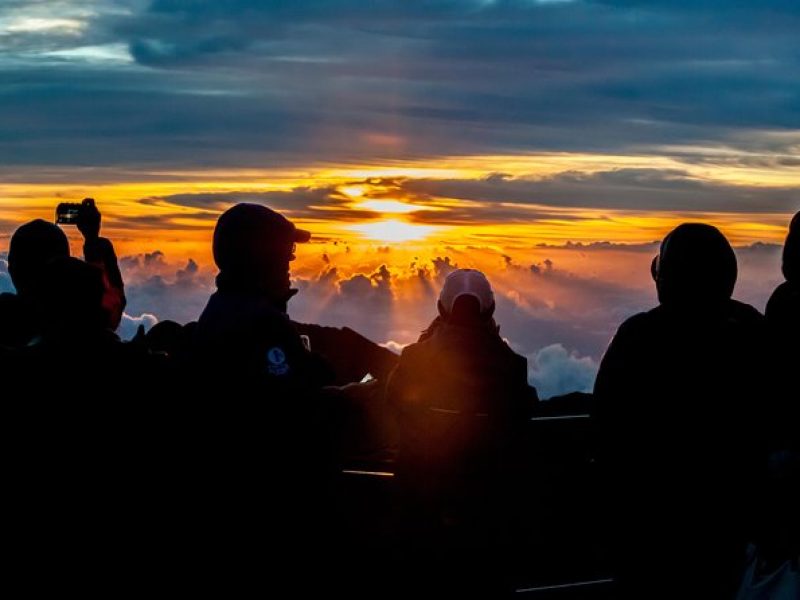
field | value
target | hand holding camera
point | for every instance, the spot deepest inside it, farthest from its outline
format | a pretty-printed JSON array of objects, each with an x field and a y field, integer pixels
[{"x": 84, "y": 215}]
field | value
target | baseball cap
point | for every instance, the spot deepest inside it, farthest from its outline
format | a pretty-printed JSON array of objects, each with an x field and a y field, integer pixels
[
  {"x": 248, "y": 232},
  {"x": 469, "y": 282}
]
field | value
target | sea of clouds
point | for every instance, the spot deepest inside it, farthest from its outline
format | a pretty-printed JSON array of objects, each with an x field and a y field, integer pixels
[{"x": 560, "y": 318}]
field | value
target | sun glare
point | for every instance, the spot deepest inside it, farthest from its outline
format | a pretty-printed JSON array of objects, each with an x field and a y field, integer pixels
[
  {"x": 393, "y": 231},
  {"x": 388, "y": 206},
  {"x": 354, "y": 191}
]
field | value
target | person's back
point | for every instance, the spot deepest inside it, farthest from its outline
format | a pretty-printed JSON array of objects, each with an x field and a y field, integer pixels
[
  {"x": 781, "y": 535},
  {"x": 79, "y": 472},
  {"x": 677, "y": 409},
  {"x": 461, "y": 397},
  {"x": 464, "y": 368}
]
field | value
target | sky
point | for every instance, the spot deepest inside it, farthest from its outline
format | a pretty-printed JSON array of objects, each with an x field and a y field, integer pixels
[{"x": 547, "y": 142}]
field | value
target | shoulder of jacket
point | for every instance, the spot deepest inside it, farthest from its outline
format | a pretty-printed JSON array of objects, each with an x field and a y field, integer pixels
[
  {"x": 746, "y": 313},
  {"x": 8, "y": 299},
  {"x": 641, "y": 320}
]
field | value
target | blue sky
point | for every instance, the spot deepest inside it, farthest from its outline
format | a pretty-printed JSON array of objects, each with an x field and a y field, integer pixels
[{"x": 183, "y": 83}]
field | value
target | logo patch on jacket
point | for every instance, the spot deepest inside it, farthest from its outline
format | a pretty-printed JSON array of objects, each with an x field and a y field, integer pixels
[{"x": 276, "y": 362}]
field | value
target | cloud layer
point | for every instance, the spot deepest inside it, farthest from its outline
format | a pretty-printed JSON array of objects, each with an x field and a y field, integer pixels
[
  {"x": 254, "y": 82},
  {"x": 558, "y": 306}
]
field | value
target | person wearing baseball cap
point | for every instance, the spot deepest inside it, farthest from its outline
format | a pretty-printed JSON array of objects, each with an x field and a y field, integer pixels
[
  {"x": 466, "y": 295},
  {"x": 253, "y": 246},
  {"x": 244, "y": 329},
  {"x": 267, "y": 453},
  {"x": 460, "y": 396},
  {"x": 464, "y": 335}
]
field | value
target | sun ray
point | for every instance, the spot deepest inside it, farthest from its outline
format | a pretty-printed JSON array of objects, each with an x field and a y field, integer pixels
[{"x": 393, "y": 231}]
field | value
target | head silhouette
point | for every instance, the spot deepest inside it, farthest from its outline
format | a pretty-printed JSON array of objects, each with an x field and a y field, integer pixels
[
  {"x": 166, "y": 336},
  {"x": 696, "y": 266},
  {"x": 71, "y": 297},
  {"x": 466, "y": 297},
  {"x": 791, "y": 251},
  {"x": 32, "y": 247},
  {"x": 253, "y": 246}
]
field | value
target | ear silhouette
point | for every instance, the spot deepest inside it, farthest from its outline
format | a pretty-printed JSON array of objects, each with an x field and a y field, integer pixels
[{"x": 654, "y": 268}]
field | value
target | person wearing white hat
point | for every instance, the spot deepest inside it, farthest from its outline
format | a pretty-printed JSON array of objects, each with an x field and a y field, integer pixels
[
  {"x": 462, "y": 284},
  {"x": 466, "y": 352},
  {"x": 460, "y": 395}
]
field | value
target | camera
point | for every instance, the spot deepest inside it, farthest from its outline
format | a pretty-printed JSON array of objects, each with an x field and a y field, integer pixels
[{"x": 68, "y": 213}]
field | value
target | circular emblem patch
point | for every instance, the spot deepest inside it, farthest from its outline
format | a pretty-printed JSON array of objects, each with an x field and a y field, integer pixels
[
  {"x": 276, "y": 361},
  {"x": 276, "y": 356}
]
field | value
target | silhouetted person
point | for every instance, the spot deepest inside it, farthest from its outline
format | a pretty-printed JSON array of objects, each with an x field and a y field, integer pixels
[
  {"x": 99, "y": 251},
  {"x": 680, "y": 394},
  {"x": 782, "y": 527},
  {"x": 460, "y": 395},
  {"x": 783, "y": 308},
  {"x": 244, "y": 329},
  {"x": 32, "y": 247},
  {"x": 75, "y": 341},
  {"x": 169, "y": 338},
  {"x": 261, "y": 438},
  {"x": 77, "y": 476}
]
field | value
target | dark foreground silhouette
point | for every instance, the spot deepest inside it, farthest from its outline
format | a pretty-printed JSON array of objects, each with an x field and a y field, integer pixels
[
  {"x": 243, "y": 453},
  {"x": 677, "y": 411}
]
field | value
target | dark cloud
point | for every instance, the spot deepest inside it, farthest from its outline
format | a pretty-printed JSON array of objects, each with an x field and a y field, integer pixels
[
  {"x": 502, "y": 199},
  {"x": 295, "y": 199},
  {"x": 174, "y": 221},
  {"x": 627, "y": 189},
  {"x": 255, "y": 83},
  {"x": 594, "y": 246},
  {"x": 320, "y": 202}
]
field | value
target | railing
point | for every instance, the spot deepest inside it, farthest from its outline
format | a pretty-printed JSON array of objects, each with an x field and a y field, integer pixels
[
  {"x": 562, "y": 441},
  {"x": 599, "y": 585}
]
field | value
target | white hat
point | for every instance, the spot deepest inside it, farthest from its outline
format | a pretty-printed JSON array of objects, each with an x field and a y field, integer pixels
[{"x": 466, "y": 282}]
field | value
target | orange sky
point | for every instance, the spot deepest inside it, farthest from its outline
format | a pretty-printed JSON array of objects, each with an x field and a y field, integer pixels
[{"x": 362, "y": 212}]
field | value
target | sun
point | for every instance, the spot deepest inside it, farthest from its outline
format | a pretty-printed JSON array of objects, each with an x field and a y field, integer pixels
[
  {"x": 388, "y": 206},
  {"x": 353, "y": 191},
  {"x": 393, "y": 231}
]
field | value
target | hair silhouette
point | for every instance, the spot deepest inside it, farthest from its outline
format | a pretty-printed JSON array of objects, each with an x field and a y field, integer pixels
[
  {"x": 791, "y": 251},
  {"x": 32, "y": 246},
  {"x": 695, "y": 265},
  {"x": 72, "y": 297}
]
